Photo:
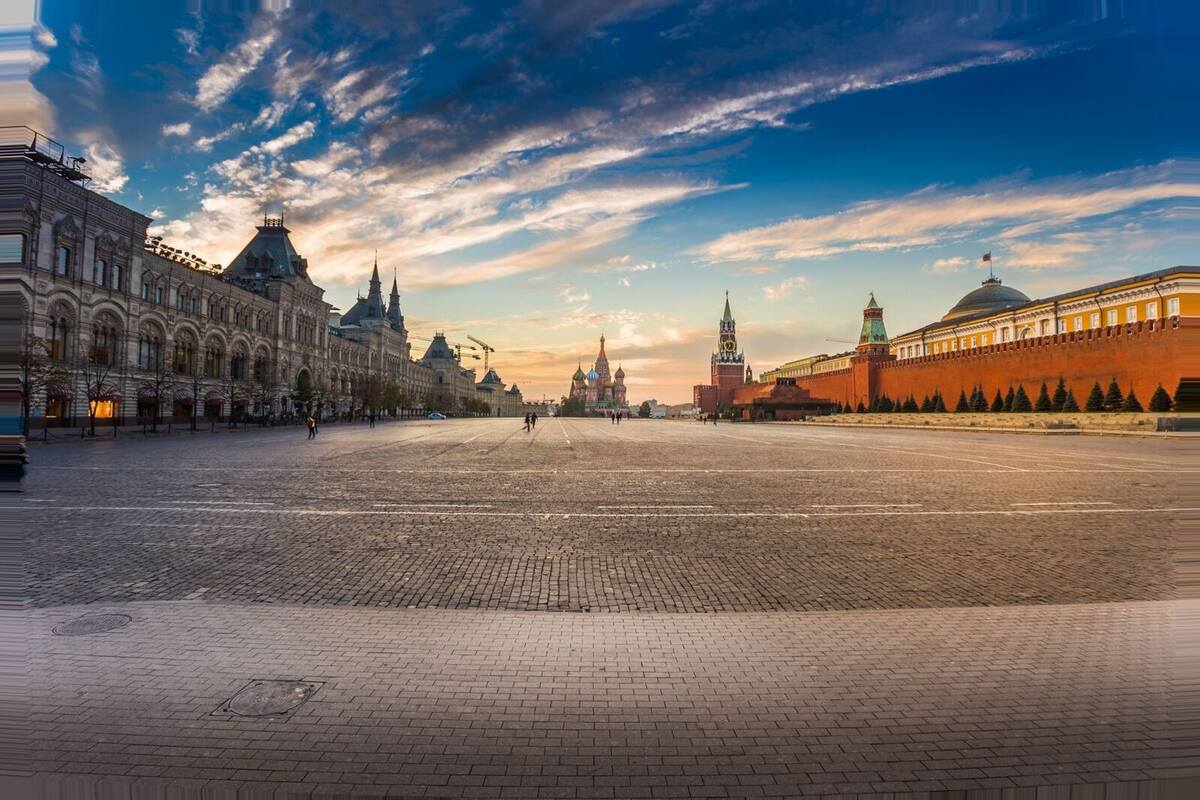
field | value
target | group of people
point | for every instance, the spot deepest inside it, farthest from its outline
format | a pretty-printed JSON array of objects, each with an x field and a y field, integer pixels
[
  {"x": 616, "y": 416},
  {"x": 531, "y": 420}
]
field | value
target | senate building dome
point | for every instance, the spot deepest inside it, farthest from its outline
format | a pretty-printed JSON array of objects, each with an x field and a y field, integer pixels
[{"x": 990, "y": 296}]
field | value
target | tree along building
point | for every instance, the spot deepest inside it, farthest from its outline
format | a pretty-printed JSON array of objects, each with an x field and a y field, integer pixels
[{"x": 140, "y": 331}]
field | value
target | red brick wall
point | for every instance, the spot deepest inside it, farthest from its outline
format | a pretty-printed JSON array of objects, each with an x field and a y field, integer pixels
[{"x": 1142, "y": 355}]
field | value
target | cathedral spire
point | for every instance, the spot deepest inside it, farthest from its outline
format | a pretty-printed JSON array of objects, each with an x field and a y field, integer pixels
[
  {"x": 393, "y": 310},
  {"x": 728, "y": 316}
]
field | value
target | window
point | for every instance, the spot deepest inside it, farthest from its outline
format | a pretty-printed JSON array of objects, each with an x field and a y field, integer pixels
[
  {"x": 145, "y": 290},
  {"x": 60, "y": 338},
  {"x": 101, "y": 409},
  {"x": 1004, "y": 334},
  {"x": 185, "y": 356},
  {"x": 12, "y": 248},
  {"x": 974, "y": 340},
  {"x": 1152, "y": 310},
  {"x": 195, "y": 304},
  {"x": 1095, "y": 319},
  {"x": 1045, "y": 327},
  {"x": 116, "y": 277},
  {"x": 180, "y": 299},
  {"x": 100, "y": 272},
  {"x": 1078, "y": 322},
  {"x": 1061, "y": 326},
  {"x": 149, "y": 351},
  {"x": 104, "y": 344},
  {"x": 214, "y": 358},
  {"x": 237, "y": 366},
  {"x": 1112, "y": 316},
  {"x": 1131, "y": 314},
  {"x": 983, "y": 340},
  {"x": 1173, "y": 307},
  {"x": 158, "y": 295},
  {"x": 62, "y": 260}
]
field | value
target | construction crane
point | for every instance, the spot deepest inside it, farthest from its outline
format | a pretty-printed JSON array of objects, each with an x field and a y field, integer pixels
[
  {"x": 842, "y": 341},
  {"x": 487, "y": 348},
  {"x": 458, "y": 346}
]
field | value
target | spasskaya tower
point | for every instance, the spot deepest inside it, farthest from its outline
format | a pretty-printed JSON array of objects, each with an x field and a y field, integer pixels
[{"x": 728, "y": 363}]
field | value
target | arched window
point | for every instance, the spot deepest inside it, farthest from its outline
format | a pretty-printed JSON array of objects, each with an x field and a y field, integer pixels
[
  {"x": 62, "y": 260},
  {"x": 106, "y": 340},
  {"x": 262, "y": 367},
  {"x": 237, "y": 365},
  {"x": 116, "y": 276},
  {"x": 185, "y": 354},
  {"x": 181, "y": 298},
  {"x": 100, "y": 272},
  {"x": 214, "y": 359},
  {"x": 150, "y": 349},
  {"x": 60, "y": 337}
]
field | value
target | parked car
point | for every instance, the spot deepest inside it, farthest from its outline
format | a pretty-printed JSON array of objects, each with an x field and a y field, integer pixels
[{"x": 436, "y": 415}]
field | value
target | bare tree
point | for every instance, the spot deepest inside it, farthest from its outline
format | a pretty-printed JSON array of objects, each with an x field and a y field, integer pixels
[
  {"x": 95, "y": 368},
  {"x": 158, "y": 385},
  {"x": 38, "y": 374}
]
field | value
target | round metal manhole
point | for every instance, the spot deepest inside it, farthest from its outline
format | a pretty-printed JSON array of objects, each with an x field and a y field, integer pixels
[
  {"x": 265, "y": 698},
  {"x": 94, "y": 623}
]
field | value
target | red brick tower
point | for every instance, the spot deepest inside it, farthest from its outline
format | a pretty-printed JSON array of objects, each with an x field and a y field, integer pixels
[{"x": 728, "y": 363}]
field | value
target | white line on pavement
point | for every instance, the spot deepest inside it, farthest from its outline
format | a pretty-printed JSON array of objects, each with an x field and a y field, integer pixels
[
  {"x": 223, "y": 502},
  {"x": 318, "y": 512},
  {"x": 653, "y": 507},
  {"x": 431, "y": 505},
  {"x": 1067, "y": 503},
  {"x": 872, "y": 505}
]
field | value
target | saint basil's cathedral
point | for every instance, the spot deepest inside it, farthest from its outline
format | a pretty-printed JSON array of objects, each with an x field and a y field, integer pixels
[{"x": 600, "y": 391}]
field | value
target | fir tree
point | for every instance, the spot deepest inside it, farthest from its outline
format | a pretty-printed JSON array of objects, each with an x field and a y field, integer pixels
[
  {"x": 1160, "y": 400},
  {"x": 1009, "y": 399},
  {"x": 1095, "y": 401},
  {"x": 980, "y": 406},
  {"x": 961, "y": 407},
  {"x": 1043, "y": 403},
  {"x": 1060, "y": 394},
  {"x": 1130, "y": 403},
  {"x": 997, "y": 403},
  {"x": 939, "y": 405},
  {"x": 926, "y": 405},
  {"x": 910, "y": 405},
  {"x": 1113, "y": 398},
  {"x": 861, "y": 408},
  {"x": 885, "y": 404},
  {"x": 1069, "y": 405},
  {"x": 1021, "y": 403}
]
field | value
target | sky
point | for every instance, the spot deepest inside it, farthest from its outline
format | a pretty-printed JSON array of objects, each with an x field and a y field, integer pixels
[{"x": 538, "y": 173}]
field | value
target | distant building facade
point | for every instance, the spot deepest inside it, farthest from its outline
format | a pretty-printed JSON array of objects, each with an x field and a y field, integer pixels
[
  {"x": 728, "y": 368},
  {"x": 600, "y": 391},
  {"x": 145, "y": 331},
  {"x": 1142, "y": 332}
]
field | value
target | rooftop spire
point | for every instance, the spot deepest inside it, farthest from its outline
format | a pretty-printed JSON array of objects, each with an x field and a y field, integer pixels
[{"x": 728, "y": 315}]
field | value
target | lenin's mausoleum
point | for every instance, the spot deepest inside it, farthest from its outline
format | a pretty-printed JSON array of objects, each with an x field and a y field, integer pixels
[{"x": 1142, "y": 332}]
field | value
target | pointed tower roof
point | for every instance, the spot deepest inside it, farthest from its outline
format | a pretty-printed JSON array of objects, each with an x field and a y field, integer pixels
[
  {"x": 393, "y": 310},
  {"x": 371, "y": 306},
  {"x": 579, "y": 375},
  {"x": 873, "y": 332},
  {"x": 728, "y": 315},
  {"x": 270, "y": 254}
]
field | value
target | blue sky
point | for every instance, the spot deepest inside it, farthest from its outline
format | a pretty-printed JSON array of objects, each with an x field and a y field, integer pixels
[{"x": 536, "y": 173}]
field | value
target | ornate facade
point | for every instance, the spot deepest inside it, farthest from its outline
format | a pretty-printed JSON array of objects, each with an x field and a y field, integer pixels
[
  {"x": 145, "y": 331},
  {"x": 600, "y": 391}
]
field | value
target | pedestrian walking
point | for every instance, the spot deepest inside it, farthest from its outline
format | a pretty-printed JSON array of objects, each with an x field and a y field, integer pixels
[
  {"x": 312, "y": 427},
  {"x": 528, "y": 422},
  {"x": 533, "y": 419},
  {"x": 371, "y": 418}
]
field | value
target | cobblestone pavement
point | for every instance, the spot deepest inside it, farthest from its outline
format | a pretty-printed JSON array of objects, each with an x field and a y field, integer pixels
[
  {"x": 987, "y": 613},
  {"x": 430, "y": 702},
  {"x": 585, "y": 515}
]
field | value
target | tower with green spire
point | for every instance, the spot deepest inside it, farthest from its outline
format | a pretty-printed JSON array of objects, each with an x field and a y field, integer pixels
[
  {"x": 729, "y": 362},
  {"x": 873, "y": 338}
]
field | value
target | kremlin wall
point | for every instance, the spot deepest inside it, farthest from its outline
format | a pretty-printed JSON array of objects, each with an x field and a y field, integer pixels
[{"x": 1142, "y": 332}]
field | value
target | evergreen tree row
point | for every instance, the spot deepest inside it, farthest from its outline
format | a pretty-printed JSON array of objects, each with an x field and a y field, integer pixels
[{"x": 1016, "y": 401}]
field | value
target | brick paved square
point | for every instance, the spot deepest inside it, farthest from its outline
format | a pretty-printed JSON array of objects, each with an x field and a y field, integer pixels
[{"x": 767, "y": 610}]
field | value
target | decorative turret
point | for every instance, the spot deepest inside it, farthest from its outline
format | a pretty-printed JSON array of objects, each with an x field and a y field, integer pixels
[
  {"x": 371, "y": 306},
  {"x": 873, "y": 338},
  {"x": 393, "y": 310}
]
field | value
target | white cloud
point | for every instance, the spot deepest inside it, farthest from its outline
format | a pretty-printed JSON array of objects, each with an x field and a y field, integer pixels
[
  {"x": 938, "y": 214},
  {"x": 189, "y": 39},
  {"x": 623, "y": 281},
  {"x": 178, "y": 129},
  {"x": 223, "y": 78},
  {"x": 104, "y": 163},
  {"x": 784, "y": 288},
  {"x": 944, "y": 266}
]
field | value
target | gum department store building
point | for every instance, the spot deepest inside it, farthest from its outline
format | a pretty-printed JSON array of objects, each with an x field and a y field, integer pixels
[{"x": 124, "y": 310}]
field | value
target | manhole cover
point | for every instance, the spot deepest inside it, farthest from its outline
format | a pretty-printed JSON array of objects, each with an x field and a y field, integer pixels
[
  {"x": 95, "y": 623},
  {"x": 270, "y": 698}
]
